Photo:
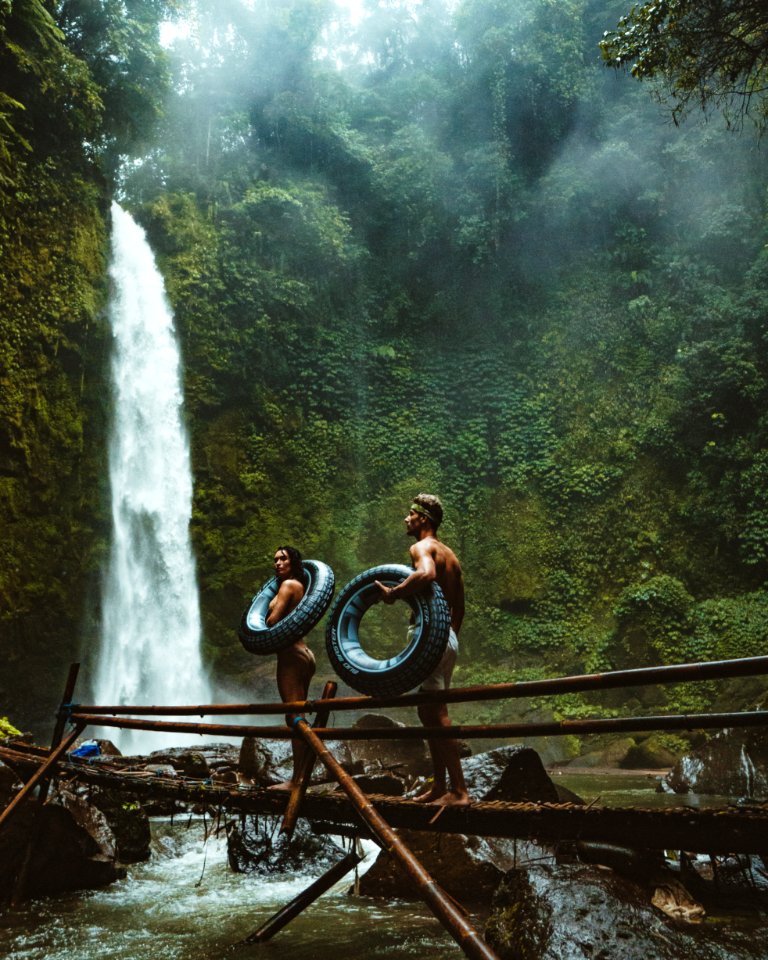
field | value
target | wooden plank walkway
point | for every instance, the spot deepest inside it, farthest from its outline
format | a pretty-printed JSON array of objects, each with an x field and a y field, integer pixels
[{"x": 717, "y": 831}]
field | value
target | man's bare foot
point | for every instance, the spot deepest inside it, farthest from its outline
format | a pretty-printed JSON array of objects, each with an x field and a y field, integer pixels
[{"x": 285, "y": 787}]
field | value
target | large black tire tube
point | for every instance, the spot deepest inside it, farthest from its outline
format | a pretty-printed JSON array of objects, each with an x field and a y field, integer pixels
[
  {"x": 253, "y": 631},
  {"x": 421, "y": 654}
]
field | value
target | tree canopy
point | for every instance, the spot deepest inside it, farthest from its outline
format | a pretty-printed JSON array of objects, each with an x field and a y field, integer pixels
[
  {"x": 710, "y": 53},
  {"x": 442, "y": 250}
]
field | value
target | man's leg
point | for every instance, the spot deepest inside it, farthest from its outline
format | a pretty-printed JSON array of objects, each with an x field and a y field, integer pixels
[{"x": 446, "y": 762}]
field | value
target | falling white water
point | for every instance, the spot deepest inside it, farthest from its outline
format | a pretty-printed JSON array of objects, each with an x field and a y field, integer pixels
[{"x": 150, "y": 644}]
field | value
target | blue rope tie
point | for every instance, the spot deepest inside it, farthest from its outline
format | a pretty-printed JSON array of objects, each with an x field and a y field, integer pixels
[
  {"x": 298, "y": 720},
  {"x": 65, "y": 712}
]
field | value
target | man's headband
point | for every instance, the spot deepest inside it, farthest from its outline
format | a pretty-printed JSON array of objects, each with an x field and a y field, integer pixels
[{"x": 417, "y": 508}]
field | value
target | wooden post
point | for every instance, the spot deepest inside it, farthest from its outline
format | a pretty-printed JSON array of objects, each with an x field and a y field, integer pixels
[
  {"x": 457, "y": 925},
  {"x": 291, "y": 815},
  {"x": 61, "y": 719},
  {"x": 307, "y": 897}
]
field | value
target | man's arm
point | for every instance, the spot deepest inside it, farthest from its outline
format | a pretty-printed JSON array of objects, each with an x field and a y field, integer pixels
[
  {"x": 287, "y": 598},
  {"x": 425, "y": 572}
]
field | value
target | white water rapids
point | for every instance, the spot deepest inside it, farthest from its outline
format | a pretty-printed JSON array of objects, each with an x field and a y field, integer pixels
[
  {"x": 150, "y": 644},
  {"x": 186, "y": 904}
]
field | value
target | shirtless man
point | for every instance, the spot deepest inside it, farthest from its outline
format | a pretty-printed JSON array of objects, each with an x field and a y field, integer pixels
[
  {"x": 295, "y": 664},
  {"x": 433, "y": 560}
]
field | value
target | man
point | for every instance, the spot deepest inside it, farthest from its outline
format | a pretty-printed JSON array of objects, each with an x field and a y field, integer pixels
[{"x": 434, "y": 561}]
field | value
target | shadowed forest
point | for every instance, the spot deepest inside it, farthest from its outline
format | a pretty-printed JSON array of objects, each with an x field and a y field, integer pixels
[{"x": 443, "y": 248}]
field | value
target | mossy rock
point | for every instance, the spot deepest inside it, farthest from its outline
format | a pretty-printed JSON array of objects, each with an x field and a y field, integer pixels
[
  {"x": 7, "y": 729},
  {"x": 650, "y": 754}
]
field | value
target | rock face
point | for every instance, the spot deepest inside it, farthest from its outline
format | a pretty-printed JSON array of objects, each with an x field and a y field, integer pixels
[
  {"x": 405, "y": 758},
  {"x": 515, "y": 774},
  {"x": 73, "y": 848},
  {"x": 568, "y": 912},
  {"x": 733, "y": 763},
  {"x": 255, "y": 846},
  {"x": 470, "y": 868}
]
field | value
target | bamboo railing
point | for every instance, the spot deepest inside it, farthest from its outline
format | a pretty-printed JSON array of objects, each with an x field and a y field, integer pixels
[{"x": 452, "y": 917}]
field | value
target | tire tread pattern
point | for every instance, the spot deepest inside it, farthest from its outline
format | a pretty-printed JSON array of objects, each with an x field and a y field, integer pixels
[
  {"x": 303, "y": 618},
  {"x": 426, "y": 653}
]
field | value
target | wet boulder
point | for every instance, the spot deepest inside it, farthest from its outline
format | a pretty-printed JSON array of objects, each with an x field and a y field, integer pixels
[
  {"x": 405, "y": 758},
  {"x": 385, "y": 784},
  {"x": 264, "y": 763},
  {"x": 733, "y": 763},
  {"x": 649, "y": 753},
  {"x": 468, "y": 868},
  {"x": 571, "y": 912},
  {"x": 128, "y": 821},
  {"x": 514, "y": 773},
  {"x": 70, "y": 846},
  {"x": 255, "y": 845}
]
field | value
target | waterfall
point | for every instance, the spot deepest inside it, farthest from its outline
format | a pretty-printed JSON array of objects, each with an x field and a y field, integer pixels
[{"x": 150, "y": 643}]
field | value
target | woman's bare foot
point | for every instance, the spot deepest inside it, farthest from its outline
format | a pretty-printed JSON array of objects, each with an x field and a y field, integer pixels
[
  {"x": 286, "y": 786},
  {"x": 453, "y": 798},
  {"x": 429, "y": 796}
]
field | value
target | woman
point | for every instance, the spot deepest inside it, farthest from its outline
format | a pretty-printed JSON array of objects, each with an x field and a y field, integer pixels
[{"x": 295, "y": 664}]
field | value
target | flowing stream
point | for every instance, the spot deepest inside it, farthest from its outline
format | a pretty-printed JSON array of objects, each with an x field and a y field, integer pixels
[
  {"x": 150, "y": 644},
  {"x": 185, "y": 904}
]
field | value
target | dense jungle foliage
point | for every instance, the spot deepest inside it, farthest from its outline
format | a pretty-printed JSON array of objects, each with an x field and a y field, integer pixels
[{"x": 444, "y": 250}]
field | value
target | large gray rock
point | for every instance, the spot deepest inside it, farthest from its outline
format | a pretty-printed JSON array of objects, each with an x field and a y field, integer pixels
[
  {"x": 405, "y": 758},
  {"x": 571, "y": 912},
  {"x": 733, "y": 763},
  {"x": 470, "y": 868},
  {"x": 254, "y": 845},
  {"x": 514, "y": 773},
  {"x": 266, "y": 762},
  {"x": 72, "y": 847}
]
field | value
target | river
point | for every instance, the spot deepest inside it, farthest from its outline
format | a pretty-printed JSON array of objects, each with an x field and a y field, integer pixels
[{"x": 186, "y": 904}]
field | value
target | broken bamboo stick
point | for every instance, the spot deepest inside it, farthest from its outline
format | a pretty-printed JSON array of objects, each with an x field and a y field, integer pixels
[{"x": 300, "y": 903}]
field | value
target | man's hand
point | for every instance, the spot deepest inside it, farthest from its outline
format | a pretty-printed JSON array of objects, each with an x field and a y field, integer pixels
[{"x": 386, "y": 592}]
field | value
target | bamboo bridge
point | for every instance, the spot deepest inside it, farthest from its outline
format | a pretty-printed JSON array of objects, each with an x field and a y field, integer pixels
[{"x": 727, "y": 830}]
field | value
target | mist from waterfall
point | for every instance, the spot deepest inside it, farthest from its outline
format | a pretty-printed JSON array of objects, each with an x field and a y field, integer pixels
[{"x": 150, "y": 643}]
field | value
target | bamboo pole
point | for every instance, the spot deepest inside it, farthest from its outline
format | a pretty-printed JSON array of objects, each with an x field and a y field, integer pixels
[
  {"x": 722, "y": 830},
  {"x": 610, "y": 680},
  {"x": 441, "y": 905},
  {"x": 305, "y": 899},
  {"x": 554, "y": 728},
  {"x": 291, "y": 815},
  {"x": 61, "y": 718}
]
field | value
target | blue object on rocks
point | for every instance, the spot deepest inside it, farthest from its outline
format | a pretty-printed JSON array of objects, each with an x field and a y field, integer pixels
[{"x": 89, "y": 749}]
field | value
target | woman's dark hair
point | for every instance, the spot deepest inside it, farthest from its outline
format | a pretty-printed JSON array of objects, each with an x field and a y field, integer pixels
[{"x": 297, "y": 565}]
